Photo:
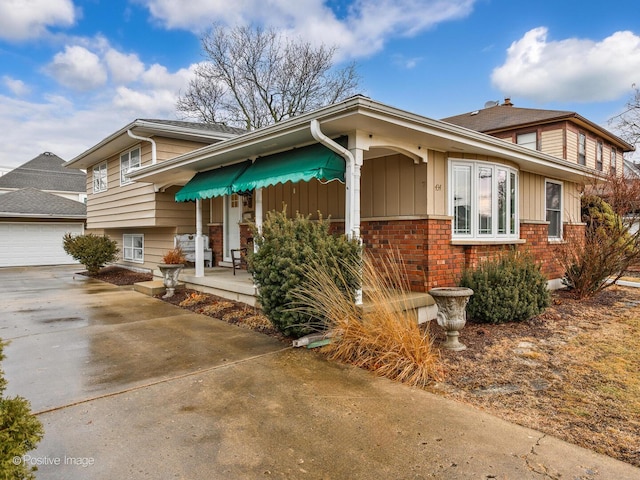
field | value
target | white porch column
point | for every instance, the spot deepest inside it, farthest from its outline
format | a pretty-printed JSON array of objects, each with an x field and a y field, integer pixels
[
  {"x": 352, "y": 203},
  {"x": 199, "y": 240},
  {"x": 258, "y": 214}
]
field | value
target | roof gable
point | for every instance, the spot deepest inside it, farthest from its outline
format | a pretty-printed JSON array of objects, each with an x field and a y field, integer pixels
[
  {"x": 45, "y": 172},
  {"x": 32, "y": 202}
]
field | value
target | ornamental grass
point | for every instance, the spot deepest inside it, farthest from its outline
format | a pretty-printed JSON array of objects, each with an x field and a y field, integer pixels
[{"x": 382, "y": 335}]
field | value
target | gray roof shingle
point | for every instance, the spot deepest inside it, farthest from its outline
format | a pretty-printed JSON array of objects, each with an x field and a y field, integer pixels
[
  {"x": 33, "y": 202},
  {"x": 212, "y": 127},
  {"x": 502, "y": 117},
  {"x": 45, "y": 172}
]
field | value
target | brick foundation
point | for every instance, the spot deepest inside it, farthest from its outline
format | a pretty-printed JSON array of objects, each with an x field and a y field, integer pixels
[{"x": 425, "y": 246}]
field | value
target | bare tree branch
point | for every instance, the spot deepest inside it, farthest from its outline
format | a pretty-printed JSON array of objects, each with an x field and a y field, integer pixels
[{"x": 254, "y": 77}]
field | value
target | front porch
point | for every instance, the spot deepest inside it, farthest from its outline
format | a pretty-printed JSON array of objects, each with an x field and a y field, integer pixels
[{"x": 222, "y": 282}]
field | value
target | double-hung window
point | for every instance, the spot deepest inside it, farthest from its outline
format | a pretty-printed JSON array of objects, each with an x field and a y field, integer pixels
[
  {"x": 528, "y": 140},
  {"x": 599, "y": 154},
  {"x": 582, "y": 149},
  {"x": 133, "y": 247},
  {"x": 128, "y": 160},
  {"x": 553, "y": 208},
  {"x": 483, "y": 200},
  {"x": 100, "y": 178},
  {"x": 614, "y": 161}
]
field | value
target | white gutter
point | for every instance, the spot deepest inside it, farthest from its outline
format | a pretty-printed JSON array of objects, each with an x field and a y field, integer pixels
[{"x": 146, "y": 139}]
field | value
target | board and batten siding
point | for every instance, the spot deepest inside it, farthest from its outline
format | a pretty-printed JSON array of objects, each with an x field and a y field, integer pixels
[
  {"x": 393, "y": 186},
  {"x": 532, "y": 199}
]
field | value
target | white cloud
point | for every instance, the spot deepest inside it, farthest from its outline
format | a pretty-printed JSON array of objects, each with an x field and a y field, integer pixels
[
  {"x": 363, "y": 31},
  {"x": 569, "y": 70},
  {"x": 123, "y": 68},
  {"x": 24, "y": 19},
  {"x": 17, "y": 87},
  {"x": 78, "y": 68}
]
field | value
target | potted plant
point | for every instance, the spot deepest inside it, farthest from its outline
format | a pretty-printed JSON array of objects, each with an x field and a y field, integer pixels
[{"x": 172, "y": 264}]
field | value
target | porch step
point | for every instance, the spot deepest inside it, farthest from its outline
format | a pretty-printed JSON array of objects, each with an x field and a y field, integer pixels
[
  {"x": 153, "y": 287},
  {"x": 422, "y": 303}
]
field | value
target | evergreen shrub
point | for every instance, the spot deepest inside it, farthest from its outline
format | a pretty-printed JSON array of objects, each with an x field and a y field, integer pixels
[
  {"x": 93, "y": 251},
  {"x": 20, "y": 432},
  {"x": 508, "y": 288},
  {"x": 286, "y": 248}
]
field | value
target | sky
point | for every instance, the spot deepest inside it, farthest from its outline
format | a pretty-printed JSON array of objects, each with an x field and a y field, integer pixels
[{"x": 72, "y": 72}]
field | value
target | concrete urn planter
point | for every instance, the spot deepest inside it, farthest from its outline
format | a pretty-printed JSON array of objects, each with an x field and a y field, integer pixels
[
  {"x": 452, "y": 315},
  {"x": 170, "y": 273}
]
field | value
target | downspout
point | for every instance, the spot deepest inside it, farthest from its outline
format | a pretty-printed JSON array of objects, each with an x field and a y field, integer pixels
[
  {"x": 146, "y": 139},
  {"x": 352, "y": 176},
  {"x": 351, "y": 164}
]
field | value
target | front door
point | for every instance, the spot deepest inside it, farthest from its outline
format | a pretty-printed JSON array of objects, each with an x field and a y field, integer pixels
[{"x": 233, "y": 216}]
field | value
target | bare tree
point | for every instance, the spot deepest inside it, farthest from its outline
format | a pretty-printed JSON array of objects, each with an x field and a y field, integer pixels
[
  {"x": 628, "y": 122},
  {"x": 611, "y": 245},
  {"x": 255, "y": 77}
]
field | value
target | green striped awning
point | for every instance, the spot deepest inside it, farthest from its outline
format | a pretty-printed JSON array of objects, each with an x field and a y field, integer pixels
[{"x": 212, "y": 183}]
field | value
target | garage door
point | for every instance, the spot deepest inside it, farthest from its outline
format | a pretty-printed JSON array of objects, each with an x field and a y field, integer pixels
[{"x": 24, "y": 244}]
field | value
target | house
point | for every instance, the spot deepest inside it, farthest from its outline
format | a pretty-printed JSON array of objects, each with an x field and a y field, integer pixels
[
  {"x": 142, "y": 217},
  {"x": 444, "y": 195},
  {"x": 563, "y": 134},
  {"x": 40, "y": 201},
  {"x": 47, "y": 173}
]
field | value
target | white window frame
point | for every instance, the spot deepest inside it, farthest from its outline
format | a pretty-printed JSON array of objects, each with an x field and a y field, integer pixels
[
  {"x": 127, "y": 164},
  {"x": 599, "y": 156},
  {"x": 613, "y": 166},
  {"x": 559, "y": 210},
  {"x": 100, "y": 177},
  {"x": 525, "y": 140},
  {"x": 512, "y": 214},
  {"x": 582, "y": 148},
  {"x": 129, "y": 249}
]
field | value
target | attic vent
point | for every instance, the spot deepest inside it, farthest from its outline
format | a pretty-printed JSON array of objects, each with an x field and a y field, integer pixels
[
  {"x": 475, "y": 112},
  {"x": 48, "y": 154}
]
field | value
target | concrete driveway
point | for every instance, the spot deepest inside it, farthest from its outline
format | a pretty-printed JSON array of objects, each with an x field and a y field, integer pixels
[{"x": 128, "y": 386}]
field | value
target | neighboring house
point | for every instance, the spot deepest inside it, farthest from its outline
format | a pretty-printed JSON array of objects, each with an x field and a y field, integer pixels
[
  {"x": 143, "y": 217},
  {"x": 32, "y": 224},
  {"x": 47, "y": 173},
  {"x": 443, "y": 195},
  {"x": 631, "y": 169},
  {"x": 40, "y": 201},
  {"x": 563, "y": 134}
]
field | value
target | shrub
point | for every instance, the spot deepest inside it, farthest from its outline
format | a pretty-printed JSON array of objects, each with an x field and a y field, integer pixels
[
  {"x": 508, "y": 288},
  {"x": 286, "y": 248},
  {"x": 93, "y": 251},
  {"x": 20, "y": 431},
  {"x": 385, "y": 336},
  {"x": 609, "y": 247}
]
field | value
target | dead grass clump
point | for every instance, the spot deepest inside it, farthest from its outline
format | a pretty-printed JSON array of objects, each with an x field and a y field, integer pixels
[
  {"x": 194, "y": 299},
  {"x": 381, "y": 336},
  {"x": 215, "y": 308}
]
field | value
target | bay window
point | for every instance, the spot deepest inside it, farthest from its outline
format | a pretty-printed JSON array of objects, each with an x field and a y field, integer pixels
[{"x": 483, "y": 200}]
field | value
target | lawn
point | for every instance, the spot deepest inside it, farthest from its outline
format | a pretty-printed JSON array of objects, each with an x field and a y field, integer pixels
[{"x": 572, "y": 372}]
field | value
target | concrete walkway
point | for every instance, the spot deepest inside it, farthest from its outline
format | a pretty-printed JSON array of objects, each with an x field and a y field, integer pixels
[{"x": 130, "y": 387}]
